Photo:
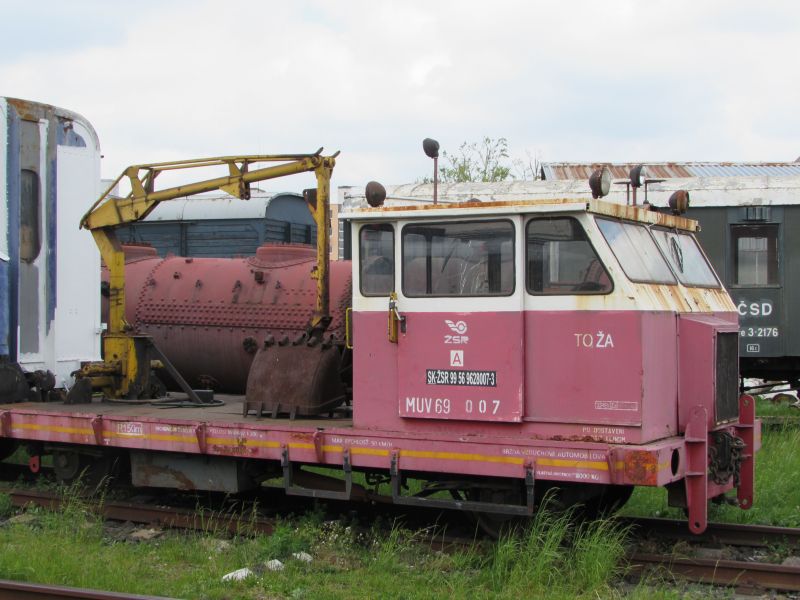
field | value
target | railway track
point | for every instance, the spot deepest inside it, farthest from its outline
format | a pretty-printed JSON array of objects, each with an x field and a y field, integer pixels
[
  {"x": 732, "y": 534},
  {"x": 18, "y": 590},
  {"x": 782, "y": 422},
  {"x": 744, "y": 574}
]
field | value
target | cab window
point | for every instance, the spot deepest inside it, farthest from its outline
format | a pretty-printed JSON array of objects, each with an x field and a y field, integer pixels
[
  {"x": 636, "y": 251},
  {"x": 30, "y": 241},
  {"x": 685, "y": 257},
  {"x": 376, "y": 259},
  {"x": 560, "y": 259},
  {"x": 473, "y": 258}
]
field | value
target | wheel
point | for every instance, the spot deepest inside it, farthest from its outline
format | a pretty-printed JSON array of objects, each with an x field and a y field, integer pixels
[
  {"x": 91, "y": 471},
  {"x": 496, "y": 525},
  {"x": 609, "y": 501},
  {"x": 7, "y": 448}
]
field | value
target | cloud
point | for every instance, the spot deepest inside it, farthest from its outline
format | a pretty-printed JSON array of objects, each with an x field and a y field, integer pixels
[{"x": 577, "y": 80}]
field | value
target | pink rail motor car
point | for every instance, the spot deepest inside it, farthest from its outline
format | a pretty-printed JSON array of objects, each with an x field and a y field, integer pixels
[{"x": 498, "y": 350}]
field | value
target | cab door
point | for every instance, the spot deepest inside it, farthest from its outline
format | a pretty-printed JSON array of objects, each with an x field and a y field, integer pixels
[{"x": 460, "y": 337}]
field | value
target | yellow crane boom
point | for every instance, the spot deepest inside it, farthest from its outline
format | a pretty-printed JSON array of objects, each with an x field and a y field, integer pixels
[{"x": 125, "y": 370}]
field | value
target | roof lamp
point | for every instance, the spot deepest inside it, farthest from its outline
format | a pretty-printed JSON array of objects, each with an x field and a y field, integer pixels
[{"x": 600, "y": 182}]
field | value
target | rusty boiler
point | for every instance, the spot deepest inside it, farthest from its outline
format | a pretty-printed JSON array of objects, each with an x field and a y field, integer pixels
[{"x": 210, "y": 316}]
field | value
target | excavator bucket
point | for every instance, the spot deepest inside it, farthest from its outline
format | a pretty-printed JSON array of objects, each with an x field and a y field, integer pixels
[{"x": 301, "y": 378}]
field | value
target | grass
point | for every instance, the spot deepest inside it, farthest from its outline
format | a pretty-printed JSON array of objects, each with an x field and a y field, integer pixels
[
  {"x": 777, "y": 493},
  {"x": 765, "y": 407},
  {"x": 555, "y": 558}
]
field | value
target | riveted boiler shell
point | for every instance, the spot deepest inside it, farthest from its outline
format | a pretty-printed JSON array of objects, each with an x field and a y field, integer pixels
[{"x": 210, "y": 315}]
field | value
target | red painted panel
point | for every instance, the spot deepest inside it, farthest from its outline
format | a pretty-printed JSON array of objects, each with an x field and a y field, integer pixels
[
  {"x": 660, "y": 375},
  {"x": 374, "y": 372},
  {"x": 465, "y": 366},
  {"x": 697, "y": 364},
  {"x": 584, "y": 367}
]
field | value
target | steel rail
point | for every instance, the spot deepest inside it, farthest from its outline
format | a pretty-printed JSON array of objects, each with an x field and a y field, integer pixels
[
  {"x": 732, "y": 534},
  {"x": 751, "y": 575},
  {"x": 18, "y": 590},
  {"x": 780, "y": 422}
]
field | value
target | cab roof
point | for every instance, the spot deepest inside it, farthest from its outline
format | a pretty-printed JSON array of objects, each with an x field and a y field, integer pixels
[{"x": 559, "y": 205}]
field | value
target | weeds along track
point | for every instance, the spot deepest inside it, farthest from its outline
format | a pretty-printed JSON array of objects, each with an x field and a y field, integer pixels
[
  {"x": 18, "y": 590},
  {"x": 745, "y": 556}
]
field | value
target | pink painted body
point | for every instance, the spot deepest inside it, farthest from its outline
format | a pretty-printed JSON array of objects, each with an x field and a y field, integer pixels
[{"x": 608, "y": 376}]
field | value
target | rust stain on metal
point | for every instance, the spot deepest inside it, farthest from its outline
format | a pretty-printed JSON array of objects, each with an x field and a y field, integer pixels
[
  {"x": 29, "y": 111},
  {"x": 641, "y": 467},
  {"x": 152, "y": 475},
  {"x": 611, "y": 209},
  {"x": 5, "y": 423},
  {"x": 565, "y": 171}
]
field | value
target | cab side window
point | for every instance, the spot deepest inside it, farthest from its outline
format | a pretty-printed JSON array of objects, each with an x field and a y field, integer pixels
[
  {"x": 560, "y": 259},
  {"x": 376, "y": 259},
  {"x": 463, "y": 259}
]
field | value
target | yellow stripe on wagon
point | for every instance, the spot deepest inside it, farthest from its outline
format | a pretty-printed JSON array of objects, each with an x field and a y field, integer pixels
[
  {"x": 52, "y": 428},
  {"x": 595, "y": 465}
]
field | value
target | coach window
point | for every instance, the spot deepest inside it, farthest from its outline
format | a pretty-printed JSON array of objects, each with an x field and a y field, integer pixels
[
  {"x": 560, "y": 259},
  {"x": 755, "y": 254},
  {"x": 376, "y": 259},
  {"x": 685, "y": 257},
  {"x": 29, "y": 216},
  {"x": 473, "y": 258},
  {"x": 636, "y": 251}
]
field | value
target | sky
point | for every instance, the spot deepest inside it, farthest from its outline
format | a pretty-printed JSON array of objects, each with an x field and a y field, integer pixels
[{"x": 573, "y": 80}]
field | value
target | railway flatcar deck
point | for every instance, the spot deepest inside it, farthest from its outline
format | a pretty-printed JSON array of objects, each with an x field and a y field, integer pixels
[{"x": 221, "y": 431}]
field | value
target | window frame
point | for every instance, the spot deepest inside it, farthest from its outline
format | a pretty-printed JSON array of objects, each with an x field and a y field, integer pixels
[
  {"x": 588, "y": 241},
  {"x": 734, "y": 255},
  {"x": 675, "y": 280},
  {"x": 365, "y": 227},
  {"x": 30, "y": 215},
  {"x": 699, "y": 247},
  {"x": 513, "y": 236}
]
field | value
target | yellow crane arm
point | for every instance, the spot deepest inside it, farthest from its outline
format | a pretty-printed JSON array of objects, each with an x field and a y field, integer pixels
[{"x": 108, "y": 212}]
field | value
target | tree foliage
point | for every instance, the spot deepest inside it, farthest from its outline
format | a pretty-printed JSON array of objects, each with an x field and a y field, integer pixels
[
  {"x": 478, "y": 161},
  {"x": 484, "y": 161}
]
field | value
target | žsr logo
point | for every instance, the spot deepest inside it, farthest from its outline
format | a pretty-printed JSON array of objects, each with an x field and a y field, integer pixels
[{"x": 459, "y": 327}]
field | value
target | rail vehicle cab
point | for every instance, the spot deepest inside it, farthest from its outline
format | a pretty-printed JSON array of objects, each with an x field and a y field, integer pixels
[
  {"x": 49, "y": 270},
  {"x": 566, "y": 320}
]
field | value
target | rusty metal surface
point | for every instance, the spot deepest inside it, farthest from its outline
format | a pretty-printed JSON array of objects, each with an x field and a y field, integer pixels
[
  {"x": 641, "y": 467},
  {"x": 724, "y": 572},
  {"x": 604, "y": 207},
  {"x": 209, "y": 315},
  {"x": 637, "y": 213},
  {"x": 295, "y": 379},
  {"x": 210, "y": 473},
  {"x": 19, "y": 590},
  {"x": 671, "y": 170},
  {"x": 720, "y": 533}
]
